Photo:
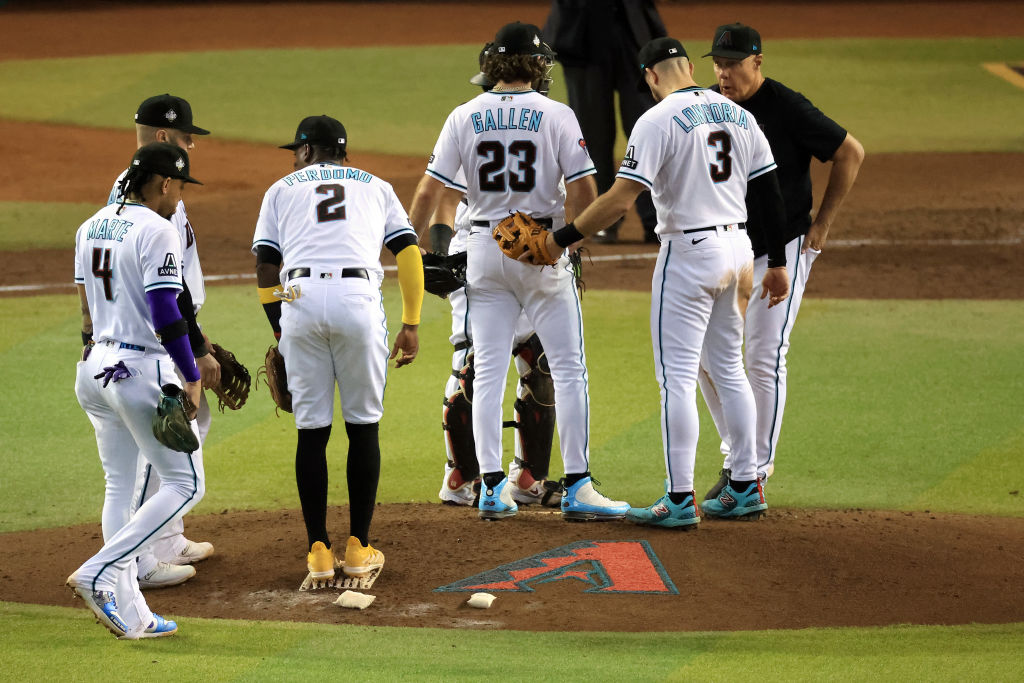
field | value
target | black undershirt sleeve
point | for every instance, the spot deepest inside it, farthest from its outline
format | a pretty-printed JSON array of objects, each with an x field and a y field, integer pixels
[
  {"x": 399, "y": 243},
  {"x": 266, "y": 254},
  {"x": 188, "y": 314},
  {"x": 764, "y": 199}
]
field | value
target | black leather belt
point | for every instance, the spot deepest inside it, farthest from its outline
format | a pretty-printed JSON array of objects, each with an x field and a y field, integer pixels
[
  {"x": 741, "y": 226},
  {"x": 542, "y": 222},
  {"x": 345, "y": 272}
]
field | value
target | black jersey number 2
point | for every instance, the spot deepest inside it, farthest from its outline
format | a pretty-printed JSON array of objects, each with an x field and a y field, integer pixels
[
  {"x": 333, "y": 207},
  {"x": 493, "y": 175},
  {"x": 721, "y": 141}
]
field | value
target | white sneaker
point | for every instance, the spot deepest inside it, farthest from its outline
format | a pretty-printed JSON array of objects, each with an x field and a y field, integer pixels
[
  {"x": 166, "y": 574},
  {"x": 454, "y": 490},
  {"x": 582, "y": 502},
  {"x": 528, "y": 491},
  {"x": 192, "y": 551}
]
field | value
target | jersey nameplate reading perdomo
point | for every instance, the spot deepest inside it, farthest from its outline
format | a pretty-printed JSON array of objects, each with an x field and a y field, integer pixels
[
  {"x": 716, "y": 112},
  {"x": 315, "y": 175},
  {"x": 506, "y": 119}
]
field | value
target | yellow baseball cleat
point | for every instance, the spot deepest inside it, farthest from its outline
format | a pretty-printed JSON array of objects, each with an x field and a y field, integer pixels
[
  {"x": 361, "y": 560},
  {"x": 320, "y": 563}
]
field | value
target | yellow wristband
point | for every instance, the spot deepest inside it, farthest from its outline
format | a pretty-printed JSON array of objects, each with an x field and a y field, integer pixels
[{"x": 267, "y": 294}]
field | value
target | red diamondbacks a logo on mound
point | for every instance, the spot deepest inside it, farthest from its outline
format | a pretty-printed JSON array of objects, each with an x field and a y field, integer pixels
[{"x": 607, "y": 566}]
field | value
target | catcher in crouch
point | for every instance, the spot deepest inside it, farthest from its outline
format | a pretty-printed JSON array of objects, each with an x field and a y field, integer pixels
[{"x": 535, "y": 397}]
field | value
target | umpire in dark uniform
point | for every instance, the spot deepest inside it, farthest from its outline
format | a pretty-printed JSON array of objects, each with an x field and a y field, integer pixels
[
  {"x": 597, "y": 42},
  {"x": 796, "y": 131}
]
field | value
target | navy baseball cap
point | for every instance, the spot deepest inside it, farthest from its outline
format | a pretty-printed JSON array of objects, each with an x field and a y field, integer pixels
[
  {"x": 319, "y": 130},
  {"x": 735, "y": 41},
  {"x": 168, "y": 111},
  {"x": 657, "y": 50},
  {"x": 164, "y": 159},
  {"x": 518, "y": 38}
]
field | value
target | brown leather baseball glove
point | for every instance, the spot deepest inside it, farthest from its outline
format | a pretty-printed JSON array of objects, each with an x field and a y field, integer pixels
[
  {"x": 233, "y": 390},
  {"x": 519, "y": 234},
  {"x": 276, "y": 379}
]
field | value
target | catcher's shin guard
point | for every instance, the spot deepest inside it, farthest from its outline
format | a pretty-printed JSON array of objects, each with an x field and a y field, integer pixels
[
  {"x": 535, "y": 409},
  {"x": 458, "y": 424}
]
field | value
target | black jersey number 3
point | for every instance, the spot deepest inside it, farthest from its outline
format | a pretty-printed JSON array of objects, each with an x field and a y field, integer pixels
[
  {"x": 493, "y": 175},
  {"x": 333, "y": 207},
  {"x": 721, "y": 141}
]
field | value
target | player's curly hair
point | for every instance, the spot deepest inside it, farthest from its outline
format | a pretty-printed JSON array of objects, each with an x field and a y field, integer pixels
[
  {"x": 515, "y": 68},
  {"x": 132, "y": 183}
]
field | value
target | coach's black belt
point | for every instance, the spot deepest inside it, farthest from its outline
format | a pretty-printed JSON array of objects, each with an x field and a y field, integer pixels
[
  {"x": 345, "y": 272},
  {"x": 741, "y": 226},
  {"x": 542, "y": 222}
]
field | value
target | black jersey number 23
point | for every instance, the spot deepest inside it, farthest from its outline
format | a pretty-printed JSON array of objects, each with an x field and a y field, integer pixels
[{"x": 493, "y": 175}]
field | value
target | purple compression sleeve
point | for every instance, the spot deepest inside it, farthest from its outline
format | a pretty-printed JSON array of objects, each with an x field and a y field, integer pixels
[{"x": 163, "y": 309}]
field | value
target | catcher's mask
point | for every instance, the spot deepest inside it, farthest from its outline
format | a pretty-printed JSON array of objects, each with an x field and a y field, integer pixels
[{"x": 547, "y": 55}]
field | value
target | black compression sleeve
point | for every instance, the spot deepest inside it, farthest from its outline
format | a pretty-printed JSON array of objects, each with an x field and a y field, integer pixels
[
  {"x": 265, "y": 254},
  {"x": 273, "y": 311},
  {"x": 188, "y": 314},
  {"x": 440, "y": 238},
  {"x": 399, "y": 243},
  {"x": 765, "y": 198}
]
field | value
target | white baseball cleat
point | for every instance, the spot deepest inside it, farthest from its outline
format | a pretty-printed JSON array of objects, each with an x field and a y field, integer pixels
[
  {"x": 455, "y": 490},
  {"x": 191, "y": 552},
  {"x": 165, "y": 574}
]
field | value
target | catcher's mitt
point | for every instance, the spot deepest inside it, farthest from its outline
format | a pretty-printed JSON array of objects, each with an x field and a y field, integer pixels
[
  {"x": 519, "y": 234},
  {"x": 276, "y": 379},
  {"x": 442, "y": 275},
  {"x": 233, "y": 389},
  {"x": 171, "y": 421}
]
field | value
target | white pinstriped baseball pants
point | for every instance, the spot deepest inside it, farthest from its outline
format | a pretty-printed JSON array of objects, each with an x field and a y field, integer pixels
[
  {"x": 122, "y": 415},
  {"x": 694, "y": 307},
  {"x": 499, "y": 290}
]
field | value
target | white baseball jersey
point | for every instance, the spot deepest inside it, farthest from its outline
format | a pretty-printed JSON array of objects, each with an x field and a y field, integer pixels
[
  {"x": 119, "y": 258},
  {"x": 495, "y": 137},
  {"x": 330, "y": 216},
  {"x": 191, "y": 271},
  {"x": 696, "y": 150}
]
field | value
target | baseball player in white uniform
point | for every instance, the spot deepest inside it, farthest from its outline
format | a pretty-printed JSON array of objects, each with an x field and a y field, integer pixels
[
  {"x": 317, "y": 244},
  {"x": 166, "y": 118},
  {"x": 699, "y": 154},
  {"x": 127, "y": 269},
  {"x": 534, "y": 408},
  {"x": 515, "y": 146}
]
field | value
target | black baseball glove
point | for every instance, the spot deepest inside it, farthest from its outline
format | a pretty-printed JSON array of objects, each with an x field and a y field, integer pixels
[{"x": 442, "y": 275}]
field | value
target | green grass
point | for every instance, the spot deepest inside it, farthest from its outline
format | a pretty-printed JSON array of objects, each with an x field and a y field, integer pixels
[
  {"x": 41, "y": 225},
  {"x": 285, "y": 651},
  {"x": 893, "y": 94},
  {"x": 892, "y": 404}
]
